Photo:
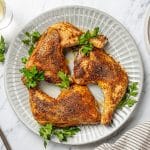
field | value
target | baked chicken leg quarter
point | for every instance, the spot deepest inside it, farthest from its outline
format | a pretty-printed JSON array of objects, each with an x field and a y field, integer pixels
[
  {"x": 74, "y": 106},
  {"x": 48, "y": 56},
  {"x": 102, "y": 69}
]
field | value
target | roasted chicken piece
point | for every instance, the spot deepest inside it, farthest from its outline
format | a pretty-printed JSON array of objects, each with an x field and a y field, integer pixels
[
  {"x": 100, "y": 68},
  {"x": 99, "y": 42},
  {"x": 70, "y": 34},
  {"x": 74, "y": 106},
  {"x": 48, "y": 56}
]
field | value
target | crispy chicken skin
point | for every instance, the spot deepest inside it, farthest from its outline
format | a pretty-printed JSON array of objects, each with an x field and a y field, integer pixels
[
  {"x": 48, "y": 56},
  {"x": 70, "y": 34},
  {"x": 102, "y": 69},
  {"x": 74, "y": 106},
  {"x": 99, "y": 42}
]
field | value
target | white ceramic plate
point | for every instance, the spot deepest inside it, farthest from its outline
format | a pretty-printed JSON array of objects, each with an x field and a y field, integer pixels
[{"x": 121, "y": 46}]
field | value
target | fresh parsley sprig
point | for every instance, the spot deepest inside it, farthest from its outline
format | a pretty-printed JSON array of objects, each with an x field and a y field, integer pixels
[
  {"x": 86, "y": 46},
  {"x": 46, "y": 133},
  {"x": 94, "y": 32},
  {"x": 63, "y": 133},
  {"x": 65, "y": 83},
  {"x": 48, "y": 130},
  {"x": 32, "y": 76},
  {"x": 2, "y": 49},
  {"x": 85, "y": 37},
  {"x": 24, "y": 60},
  {"x": 30, "y": 39},
  {"x": 128, "y": 99}
]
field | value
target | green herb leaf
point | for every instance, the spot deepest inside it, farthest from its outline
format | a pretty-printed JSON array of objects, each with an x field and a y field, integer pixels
[
  {"x": 133, "y": 93},
  {"x": 63, "y": 133},
  {"x": 27, "y": 34},
  {"x": 46, "y": 133},
  {"x": 65, "y": 83},
  {"x": 128, "y": 99},
  {"x": 133, "y": 87},
  {"x": 26, "y": 41},
  {"x": 2, "y": 45},
  {"x": 130, "y": 102},
  {"x": 32, "y": 76},
  {"x": 94, "y": 32},
  {"x": 85, "y": 49},
  {"x": 30, "y": 39},
  {"x": 35, "y": 36},
  {"x": 31, "y": 50},
  {"x": 24, "y": 60},
  {"x": 2, "y": 57},
  {"x": 2, "y": 49},
  {"x": 84, "y": 40}
]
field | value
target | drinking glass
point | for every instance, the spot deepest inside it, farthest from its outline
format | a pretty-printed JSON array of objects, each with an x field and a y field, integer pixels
[{"x": 6, "y": 14}]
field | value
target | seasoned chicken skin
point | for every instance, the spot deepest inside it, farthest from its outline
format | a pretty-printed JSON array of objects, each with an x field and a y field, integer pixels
[
  {"x": 48, "y": 56},
  {"x": 102, "y": 69},
  {"x": 70, "y": 34},
  {"x": 74, "y": 106}
]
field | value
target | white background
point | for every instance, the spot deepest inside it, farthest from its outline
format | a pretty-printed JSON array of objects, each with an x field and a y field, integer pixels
[{"x": 129, "y": 12}]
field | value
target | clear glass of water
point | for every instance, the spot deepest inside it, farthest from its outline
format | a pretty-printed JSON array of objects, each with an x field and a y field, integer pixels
[{"x": 6, "y": 14}]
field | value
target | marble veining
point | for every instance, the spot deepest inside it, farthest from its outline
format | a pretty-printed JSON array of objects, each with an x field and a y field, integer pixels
[{"x": 130, "y": 13}]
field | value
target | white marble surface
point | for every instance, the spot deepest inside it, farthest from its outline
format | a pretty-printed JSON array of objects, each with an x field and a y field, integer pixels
[{"x": 128, "y": 12}]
